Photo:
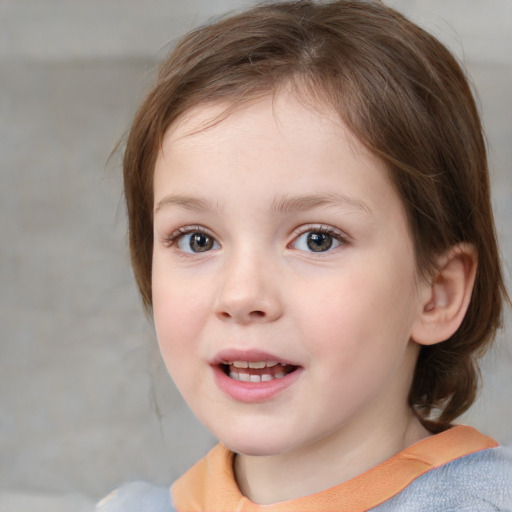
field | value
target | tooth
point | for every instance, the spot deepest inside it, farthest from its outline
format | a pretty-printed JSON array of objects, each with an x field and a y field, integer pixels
[
  {"x": 255, "y": 378},
  {"x": 283, "y": 364},
  {"x": 279, "y": 375},
  {"x": 266, "y": 377},
  {"x": 240, "y": 364},
  {"x": 270, "y": 364},
  {"x": 234, "y": 375},
  {"x": 257, "y": 364},
  {"x": 244, "y": 377}
]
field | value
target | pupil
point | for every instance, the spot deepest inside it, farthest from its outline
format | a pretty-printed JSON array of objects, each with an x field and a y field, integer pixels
[
  {"x": 319, "y": 242},
  {"x": 199, "y": 242}
]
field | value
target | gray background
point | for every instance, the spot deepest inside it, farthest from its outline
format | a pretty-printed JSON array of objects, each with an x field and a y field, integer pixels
[{"x": 84, "y": 401}]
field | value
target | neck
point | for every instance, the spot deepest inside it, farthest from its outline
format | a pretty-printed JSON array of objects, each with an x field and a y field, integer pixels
[{"x": 328, "y": 462}]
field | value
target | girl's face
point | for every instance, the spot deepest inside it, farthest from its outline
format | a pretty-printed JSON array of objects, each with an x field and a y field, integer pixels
[{"x": 284, "y": 281}]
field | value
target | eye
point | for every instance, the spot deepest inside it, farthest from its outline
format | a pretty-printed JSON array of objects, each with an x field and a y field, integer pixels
[
  {"x": 195, "y": 241},
  {"x": 318, "y": 240}
]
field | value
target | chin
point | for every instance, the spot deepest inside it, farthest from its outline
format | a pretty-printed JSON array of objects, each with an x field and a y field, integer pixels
[{"x": 254, "y": 444}]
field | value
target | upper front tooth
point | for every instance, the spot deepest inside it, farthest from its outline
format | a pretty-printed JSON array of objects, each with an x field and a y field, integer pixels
[{"x": 257, "y": 364}]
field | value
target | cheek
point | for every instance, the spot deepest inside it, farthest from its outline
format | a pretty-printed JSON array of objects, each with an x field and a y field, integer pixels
[
  {"x": 368, "y": 308},
  {"x": 176, "y": 329},
  {"x": 176, "y": 311}
]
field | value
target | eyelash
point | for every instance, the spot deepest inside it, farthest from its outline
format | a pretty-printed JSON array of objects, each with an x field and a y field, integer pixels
[
  {"x": 175, "y": 236},
  {"x": 341, "y": 239},
  {"x": 324, "y": 230}
]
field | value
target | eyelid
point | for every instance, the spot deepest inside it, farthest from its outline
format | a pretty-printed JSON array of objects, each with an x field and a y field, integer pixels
[
  {"x": 337, "y": 234},
  {"x": 175, "y": 235},
  {"x": 321, "y": 228}
]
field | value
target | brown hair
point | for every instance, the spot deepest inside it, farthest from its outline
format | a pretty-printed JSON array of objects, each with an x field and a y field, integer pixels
[{"x": 401, "y": 93}]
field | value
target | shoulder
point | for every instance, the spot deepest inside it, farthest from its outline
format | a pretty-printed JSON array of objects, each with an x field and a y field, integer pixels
[
  {"x": 478, "y": 482},
  {"x": 135, "y": 497}
]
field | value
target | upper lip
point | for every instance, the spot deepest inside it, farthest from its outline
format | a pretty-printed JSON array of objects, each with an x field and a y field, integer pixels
[{"x": 249, "y": 356}]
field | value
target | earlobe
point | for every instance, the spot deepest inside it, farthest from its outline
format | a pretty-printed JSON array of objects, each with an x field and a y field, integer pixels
[{"x": 447, "y": 296}]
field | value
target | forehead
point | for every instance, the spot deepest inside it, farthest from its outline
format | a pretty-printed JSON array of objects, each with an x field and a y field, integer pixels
[
  {"x": 285, "y": 105},
  {"x": 281, "y": 150},
  {"x": 294, "y": 118}
]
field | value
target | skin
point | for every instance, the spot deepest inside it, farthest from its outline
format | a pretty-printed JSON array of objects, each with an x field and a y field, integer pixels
[{"x": 345, "y": 316}]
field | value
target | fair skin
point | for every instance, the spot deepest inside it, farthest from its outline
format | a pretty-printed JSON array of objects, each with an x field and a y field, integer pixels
[{"x": 279, "y": 239}]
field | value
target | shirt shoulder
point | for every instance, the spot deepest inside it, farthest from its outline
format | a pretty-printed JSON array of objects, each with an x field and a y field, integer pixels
[
  {"x": 479, "y": 482},
  {"x": 135, "y": 497}
]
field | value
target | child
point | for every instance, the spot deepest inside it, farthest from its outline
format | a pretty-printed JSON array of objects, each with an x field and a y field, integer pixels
[{"x": 310, "y": 225}]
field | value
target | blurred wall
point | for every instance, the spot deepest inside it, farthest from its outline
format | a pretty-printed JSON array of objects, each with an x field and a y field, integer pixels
[{"x": 84, "y": 401}]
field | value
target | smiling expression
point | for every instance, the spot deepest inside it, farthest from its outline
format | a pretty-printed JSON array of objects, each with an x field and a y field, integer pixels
[{"x": 284, "y": 280}]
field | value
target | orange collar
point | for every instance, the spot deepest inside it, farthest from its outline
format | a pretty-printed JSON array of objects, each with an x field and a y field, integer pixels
[{"x": 210, "y": 485}]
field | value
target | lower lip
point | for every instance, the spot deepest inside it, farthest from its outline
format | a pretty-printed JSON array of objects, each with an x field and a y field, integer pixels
[{"x": 253, "y": 392}]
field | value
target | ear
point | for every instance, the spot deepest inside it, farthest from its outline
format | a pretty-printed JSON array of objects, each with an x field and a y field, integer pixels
[{"x": 446, "y": 296}]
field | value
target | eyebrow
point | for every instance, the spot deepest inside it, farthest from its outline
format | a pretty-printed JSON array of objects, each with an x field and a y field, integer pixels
[
  {"x": 287, "y": 204},
  {"x": 194, "y": 204},
  {"x": 280, "y": 205}
]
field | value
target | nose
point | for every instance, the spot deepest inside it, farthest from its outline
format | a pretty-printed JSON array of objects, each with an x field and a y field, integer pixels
[{"x": 248, "y": 291}]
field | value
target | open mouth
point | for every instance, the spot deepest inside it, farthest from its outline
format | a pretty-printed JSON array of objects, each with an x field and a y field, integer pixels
[{"x": 256, "y": 371}]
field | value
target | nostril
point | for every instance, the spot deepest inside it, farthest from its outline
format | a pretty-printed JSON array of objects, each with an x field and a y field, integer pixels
[{"x": 252, "y": 314}]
